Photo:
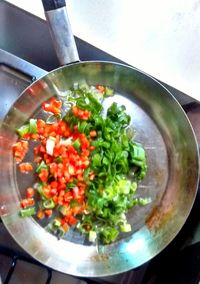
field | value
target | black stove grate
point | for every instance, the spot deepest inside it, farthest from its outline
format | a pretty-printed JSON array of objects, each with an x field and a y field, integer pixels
[{"x": 15, "y": 256}]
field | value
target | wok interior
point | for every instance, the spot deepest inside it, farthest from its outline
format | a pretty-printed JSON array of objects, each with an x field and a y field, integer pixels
[{"x": 172, "y": 156}]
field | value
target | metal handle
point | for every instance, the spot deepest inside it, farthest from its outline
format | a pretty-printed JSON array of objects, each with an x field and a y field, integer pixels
[
  {"x": 53, "y": 5},
  {"x": 61, "y": 32}
]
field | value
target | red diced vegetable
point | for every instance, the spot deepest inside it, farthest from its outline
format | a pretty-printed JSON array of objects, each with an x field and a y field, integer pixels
[
  {"x": 25, "y": 167},
  {"x": 30, "y": 192}
]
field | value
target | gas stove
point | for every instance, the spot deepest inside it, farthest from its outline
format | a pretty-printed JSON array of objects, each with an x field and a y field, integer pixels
[{"x": 25, "y": 57}]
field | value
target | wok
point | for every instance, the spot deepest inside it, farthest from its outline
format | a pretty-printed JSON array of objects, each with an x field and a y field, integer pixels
[{"x": 172, "y": 156}]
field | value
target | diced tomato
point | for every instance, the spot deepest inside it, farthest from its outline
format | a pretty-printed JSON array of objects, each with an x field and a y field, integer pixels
[
  {"x": 100, "y": 88},
  {"x": 55, "y": 199},
  {"x": 40, "y": 214},
  {"x": 75, "y": 110},
  {"x": 85, "y": 163},
  {"x": 26, "y": 202},
  {"x": 71, "y": 170},
  {"x": 62, "y": 193},
  {"x": 65, "y": 226},
  {"x": 46, "y": 191},
  {"x": 54, "y": 184},
  {"x": 40, "y": 123},
  {"x": 93, "y": 133},
  {"x": 19, "y": 150},
  {"x": 25, "y": 167},
  {"x": 72, "y": 220},
  {"x": 34, "y": 136},
  {"x": 92, "y": 176},
  {"x": 66, "y": 164},
  {"x": 75, "y": 192},
  {"x": 61, "y": 186},
  {"x": 43, "y": 175},
  {"x": 48, "y": 212},
  {"x": 80, "y": 177},
  {"x": 60, "y": 200},
  {"x": 53, "y": 106},
  {"x": 37, "y": 159},
  {"x": 68, "y": 196},
  {"x": 30, "y": 192},
  {"x": 81, "y": 185},
  {"x": 82, "y": 114},
  {"x": 27, "y": 136}
]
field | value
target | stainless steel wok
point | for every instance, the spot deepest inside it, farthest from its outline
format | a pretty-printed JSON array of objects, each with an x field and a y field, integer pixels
[{"x": 172, "y": 155}]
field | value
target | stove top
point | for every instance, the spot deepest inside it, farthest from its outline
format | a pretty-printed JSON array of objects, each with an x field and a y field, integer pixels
[{"x": 178, "y": 263}]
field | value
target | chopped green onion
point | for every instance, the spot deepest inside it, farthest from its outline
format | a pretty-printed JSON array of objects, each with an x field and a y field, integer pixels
[
  {"x": 92, "y": 236},
  {"x": 144, "y": 201},
  {"x": 71, "y": 184},
  {"x": 60, "y": 232},
  {"x": 96, "y": 160},
  {"x": 41, "y": 166},
  {"x": 27, "y": 212},
  {"x": 73, "y": 203},
  {"x": 33, "y": 125},
  {"x": 125, "y": 228},
  {"x": 24, "y": 129},
  {"x": 63, "y": 209},
  {"x": 124, "y": 186},
  {"x": 82, "y": 125},
  {"x": 39, "y": 188},
  {"x": 56, "y": 223},
  {"x": 108, "y": 92},
  {"x": 133, "y": 187},
  {"x": 138, "y": 153},
  {"x": 108, "y": 234},
  {"x": 77, "y": 144},
  {"x": 50, "y": 144},
  {"x": 48, "y": 204},
  {"x": 58, "y": 159}
]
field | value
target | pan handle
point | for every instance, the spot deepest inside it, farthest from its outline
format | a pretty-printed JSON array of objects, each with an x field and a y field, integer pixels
[{"x": 61, "y": 32}]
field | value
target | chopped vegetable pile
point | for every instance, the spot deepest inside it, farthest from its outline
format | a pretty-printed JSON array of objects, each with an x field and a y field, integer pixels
[{"x": 87, "y": 165}]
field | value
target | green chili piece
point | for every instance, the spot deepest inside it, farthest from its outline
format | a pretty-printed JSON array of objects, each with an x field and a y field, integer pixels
[
  {"x": 82, "y": 125},
  {"x": 40, "y": 191},
  {"x": 108, "y": 92}
]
